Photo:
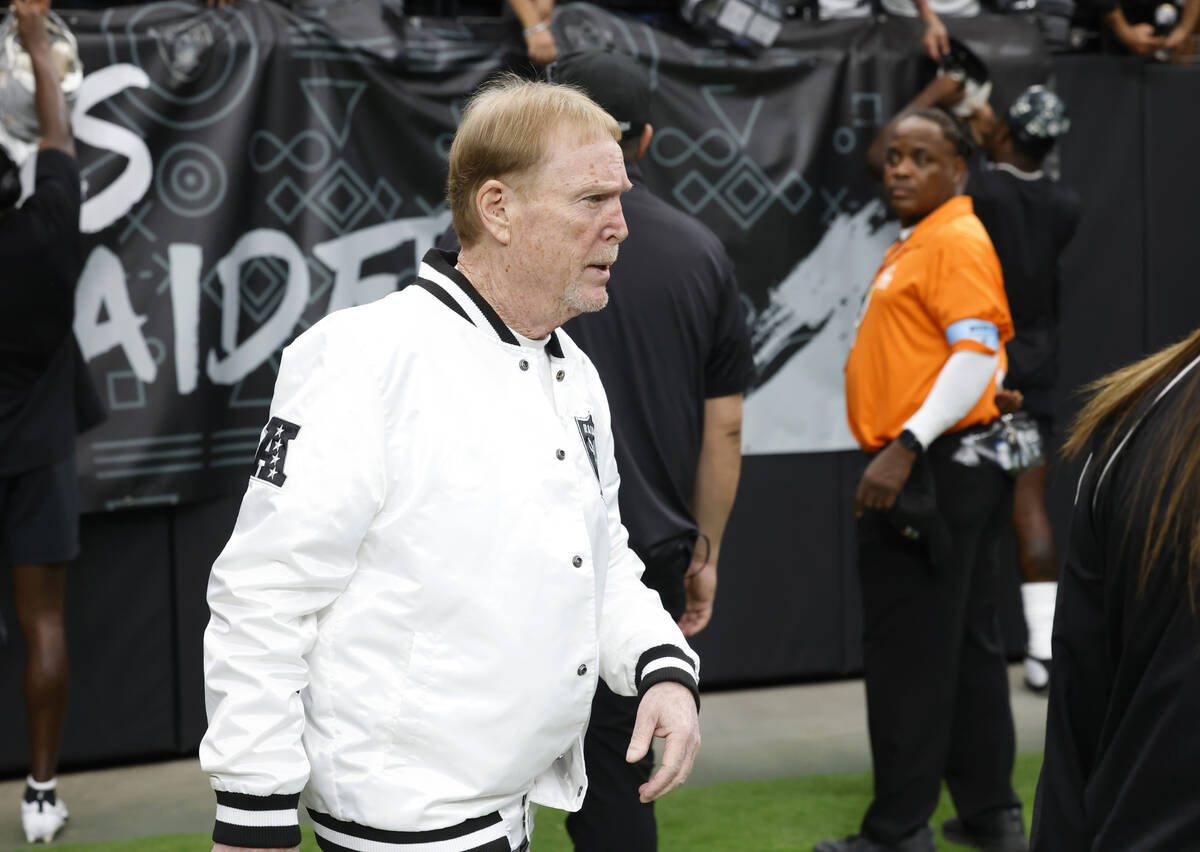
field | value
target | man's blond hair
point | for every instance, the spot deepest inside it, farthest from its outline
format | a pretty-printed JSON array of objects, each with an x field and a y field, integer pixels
[{"x": 503, "y": 134}]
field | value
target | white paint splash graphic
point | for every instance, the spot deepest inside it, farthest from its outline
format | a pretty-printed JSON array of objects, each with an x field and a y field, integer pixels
[{"x": 802, "y": 337}]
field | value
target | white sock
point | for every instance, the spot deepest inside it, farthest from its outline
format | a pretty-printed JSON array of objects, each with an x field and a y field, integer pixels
[
  {"x": 1039, "y": 616},
  {"x": 41, "y": 785}
]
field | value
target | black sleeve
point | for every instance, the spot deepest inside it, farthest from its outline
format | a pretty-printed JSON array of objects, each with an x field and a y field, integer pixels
[
  {"x": 978, "y": 178},
  {"x": 1069, "y": 212},
  {"x": 1079, "y": 693},
  {"x": 51, "y": 213},
  {"x": 730, "y": 365},
  {"x": 1071, "y": 209}
]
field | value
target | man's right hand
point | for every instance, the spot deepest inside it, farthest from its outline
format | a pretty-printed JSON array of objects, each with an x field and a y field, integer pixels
[
  {"x": 666, "y": 710},
  {"x": 31, "y": 23},
  {"x": 884, "y": 477},
  {"x": 221, "y": 847},
  {"x": 1009, "y": 401},
  {"x": 1140, "y": 39},
  {"x": 700, "y": 589}
]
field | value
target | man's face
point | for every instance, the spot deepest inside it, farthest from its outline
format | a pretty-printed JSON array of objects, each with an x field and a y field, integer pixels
[
  {"x": 567, "y": 227},
  {"x": 921, "y": 170}
]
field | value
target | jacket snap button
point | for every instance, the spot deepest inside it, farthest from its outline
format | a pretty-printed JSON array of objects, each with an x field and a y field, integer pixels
[
  {"x": 560, "y": 375},
  {"x": 582, "y": 670},
  {"x": 524, "y": 365},
  {"x": 577, "y": 561},
  {"x": 560, "y": 455}
]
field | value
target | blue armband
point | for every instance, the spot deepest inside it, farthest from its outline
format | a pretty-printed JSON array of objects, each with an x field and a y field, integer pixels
[{"x": 981, "y": 331}]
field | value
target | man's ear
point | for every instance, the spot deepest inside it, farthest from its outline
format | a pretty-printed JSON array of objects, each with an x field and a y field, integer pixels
[
  {"x": 493, "y": 203},
  {"x": 960, "y": 175},
  {"x": 644, "y": 142}
]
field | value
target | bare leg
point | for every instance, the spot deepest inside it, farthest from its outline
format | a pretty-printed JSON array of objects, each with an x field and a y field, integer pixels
[
  {"x": 1039, "y": 572},
  {"x": 1035, "y": 538},
  {"x": 40, "y": 598}
]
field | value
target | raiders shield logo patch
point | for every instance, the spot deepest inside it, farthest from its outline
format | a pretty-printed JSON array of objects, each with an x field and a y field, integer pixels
[
  {"x": 587, "y": 433},
  {"x": 272, "y": 451}
]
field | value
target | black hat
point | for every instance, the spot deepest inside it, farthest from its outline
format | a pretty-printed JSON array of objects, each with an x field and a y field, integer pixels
[
  {"x": 965, "y": 64},
  {"x": 613, "y": 80},
  {"x": 1038, "y": 114}
]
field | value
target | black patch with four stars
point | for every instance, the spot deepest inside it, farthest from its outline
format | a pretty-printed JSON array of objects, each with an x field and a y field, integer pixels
[{"x": 272, "y": 451}]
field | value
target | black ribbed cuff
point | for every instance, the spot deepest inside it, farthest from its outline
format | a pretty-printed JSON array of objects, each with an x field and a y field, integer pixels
[
  {"x": 666, "y": 663},
  {"x": 241, "y": 817}
]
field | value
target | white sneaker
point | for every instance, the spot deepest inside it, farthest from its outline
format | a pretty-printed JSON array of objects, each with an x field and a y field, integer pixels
[
  {"x": 44, "y": 816},
  {"x": 1037, "y": 674}
]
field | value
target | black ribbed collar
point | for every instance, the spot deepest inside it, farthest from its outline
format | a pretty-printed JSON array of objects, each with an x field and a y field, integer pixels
[{"x": 444, "y": 262}]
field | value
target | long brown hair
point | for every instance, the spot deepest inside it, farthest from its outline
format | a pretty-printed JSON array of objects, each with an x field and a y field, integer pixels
[{"x": 1175, "y": 509}]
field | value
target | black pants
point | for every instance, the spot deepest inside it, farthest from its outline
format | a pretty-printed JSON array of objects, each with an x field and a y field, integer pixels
[
  {"x": 612, "y": 818},
  {"x": 933, "y": 657}
]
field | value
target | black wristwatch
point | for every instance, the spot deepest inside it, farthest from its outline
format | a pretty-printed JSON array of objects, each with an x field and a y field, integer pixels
[{"x": 910, "y": 441}]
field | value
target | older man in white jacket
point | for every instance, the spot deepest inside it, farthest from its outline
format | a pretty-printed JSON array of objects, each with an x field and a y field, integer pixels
[{"x": 429, "y": 573}]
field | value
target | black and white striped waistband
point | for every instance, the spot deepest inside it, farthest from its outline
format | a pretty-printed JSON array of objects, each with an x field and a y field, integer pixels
[{"x": 480, "y": 834}]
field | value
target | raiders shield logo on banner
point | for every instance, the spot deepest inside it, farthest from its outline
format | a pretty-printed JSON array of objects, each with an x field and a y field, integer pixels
[{"x": 587, "y": 433}]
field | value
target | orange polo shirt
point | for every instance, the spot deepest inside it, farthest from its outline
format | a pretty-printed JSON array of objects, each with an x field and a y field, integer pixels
[{"x": 919, "y": 310}]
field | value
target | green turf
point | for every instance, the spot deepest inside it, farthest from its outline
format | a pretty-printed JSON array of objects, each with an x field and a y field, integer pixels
[{"x": 740, "y": 816}]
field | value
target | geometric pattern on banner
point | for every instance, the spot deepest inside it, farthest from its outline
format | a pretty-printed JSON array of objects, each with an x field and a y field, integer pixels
[
  {"x": 307, "y": 151},
  {"x": 320, "y": 280},
  {"x": 237, "y": 394},
  {"x": 191, "y": 179},
  {"x": 314, "y": 89},
  {"x": 744, "y": 192},
  {"x": 233, "y": 447},
  {"x": 340, "y": 199},
  {"x": 124, "y": 390},
  {"x": 261, "y": 282}
]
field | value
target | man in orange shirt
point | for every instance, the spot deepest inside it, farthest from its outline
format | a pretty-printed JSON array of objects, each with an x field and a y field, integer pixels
[{"x": 920, "y": 385}]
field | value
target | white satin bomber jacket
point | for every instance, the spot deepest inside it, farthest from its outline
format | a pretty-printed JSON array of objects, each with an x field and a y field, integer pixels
[{"x": 427, "y": 575}]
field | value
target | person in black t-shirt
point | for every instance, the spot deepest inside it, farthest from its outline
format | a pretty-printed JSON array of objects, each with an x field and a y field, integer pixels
[
  {"x": 1030, "y": 219},
  {"x": 45, "y": 397},
  {"x": 673, "y": 351},
  {"x": 1122, "y": 766}
]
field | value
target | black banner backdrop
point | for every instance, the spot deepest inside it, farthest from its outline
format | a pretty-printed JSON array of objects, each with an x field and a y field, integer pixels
[{"x": 251, "y": 169}]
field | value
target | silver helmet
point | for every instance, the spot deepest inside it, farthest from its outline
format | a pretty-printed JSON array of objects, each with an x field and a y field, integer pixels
[{"x": 18, "y": 117}]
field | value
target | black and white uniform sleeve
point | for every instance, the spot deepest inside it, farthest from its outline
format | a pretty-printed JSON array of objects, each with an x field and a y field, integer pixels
[{"x": 317, "y": 483}]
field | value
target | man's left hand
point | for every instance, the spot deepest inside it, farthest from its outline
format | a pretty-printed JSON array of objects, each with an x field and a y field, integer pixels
[
  {"x": 700, "y": 587},
  {"x": 884, "y": 477},
  {"x": 666, "y": 710},
  {"x": 1009, "y": 401}
]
